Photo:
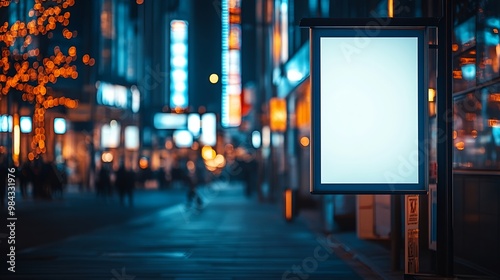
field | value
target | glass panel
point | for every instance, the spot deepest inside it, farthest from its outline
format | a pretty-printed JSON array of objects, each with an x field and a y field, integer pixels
[
  {"x": 464, "y": 71},
  {"x": 488, "y": 40},
  {"x": 476, "y": 134},
  {"x": 464, "y": 33}
]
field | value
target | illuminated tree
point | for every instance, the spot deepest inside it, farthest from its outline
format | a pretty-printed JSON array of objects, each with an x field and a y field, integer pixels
[{"x": 28, "y": 71}]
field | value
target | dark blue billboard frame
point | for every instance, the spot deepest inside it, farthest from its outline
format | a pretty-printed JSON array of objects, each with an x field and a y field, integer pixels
[
  {"x": 375, "y": 28},
  {"x": 444, "y": 25}
]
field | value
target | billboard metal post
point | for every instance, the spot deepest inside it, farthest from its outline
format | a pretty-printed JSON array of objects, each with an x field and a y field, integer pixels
[{"x": 444, "y": 244}]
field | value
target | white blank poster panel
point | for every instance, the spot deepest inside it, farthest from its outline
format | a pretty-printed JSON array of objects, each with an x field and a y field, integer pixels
[{"x": 369, "y": 114}]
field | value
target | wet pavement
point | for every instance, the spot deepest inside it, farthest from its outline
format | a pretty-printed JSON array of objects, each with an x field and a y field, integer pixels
[{"x": 230, "y": 237}]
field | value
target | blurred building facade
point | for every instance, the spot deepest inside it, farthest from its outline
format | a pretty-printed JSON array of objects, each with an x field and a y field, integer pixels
[
  {"x": 122, "y": 62},
  {"x": 283, "y": 72}
]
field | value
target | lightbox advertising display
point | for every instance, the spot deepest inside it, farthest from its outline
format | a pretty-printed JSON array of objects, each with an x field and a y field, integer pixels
[{"x": 368, "y": 110}]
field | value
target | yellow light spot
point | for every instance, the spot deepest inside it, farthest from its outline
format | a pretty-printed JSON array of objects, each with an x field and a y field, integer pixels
[
  {"x": 86, "y": 58},
  {"x": 220, "y": 161},
  {"x": 143, "y": 163},
  {"x": 432, "y": 95},
  {"x": 41, "y": 144},
  {"x": 107, "y": 157},
  {"x": 214, "y": 78},
  {"x": 390, "y": 8},
  {"x": 304, "y": 141},
  {"x": 72, "y": 51},
  {"x": 208, "y": 152}
]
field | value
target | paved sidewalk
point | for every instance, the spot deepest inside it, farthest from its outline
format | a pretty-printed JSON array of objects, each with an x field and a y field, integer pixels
[
  {"x": 230, "y": 238},
  {"x": 377, "y": 257}
]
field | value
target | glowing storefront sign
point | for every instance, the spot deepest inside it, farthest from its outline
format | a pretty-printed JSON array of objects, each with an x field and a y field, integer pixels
[
  {"x": 136, "y": 99},
  {"x": 194, "y": 124},
  {"x": 179, "y": 64},
  {"x": 183, "y": 138},
  {"x": 277, "y": 114},
  {"x": 256, "y": 139},
  {"x": 369, "y": 109},
  {"x": 112, "y": 95},
  {"x": 5, "y": 123},
  {"x": 25, "y": 124},
  {"x": 59, "y": 126},
  {"x": 208, "y": 129},
  {"x": 170, "y": 121},
  {"x": 110, "y": 135},
  {"x": 131, "y": 137},
  {"x": 231, "y": 63}
]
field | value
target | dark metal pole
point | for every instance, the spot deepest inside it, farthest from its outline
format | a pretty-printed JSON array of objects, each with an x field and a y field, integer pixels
[
  {"x": 396, "y": 228},
  {"x": 444, "y": 145}
]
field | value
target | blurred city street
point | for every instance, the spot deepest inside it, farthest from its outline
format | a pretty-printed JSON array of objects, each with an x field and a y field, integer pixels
[
  {"x": 249, "y": 139},
  {"x": 230, "y": 237}
]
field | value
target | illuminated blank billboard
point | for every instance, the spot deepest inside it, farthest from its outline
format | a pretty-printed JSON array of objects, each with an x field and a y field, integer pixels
[{"x": 369, "y": 110}]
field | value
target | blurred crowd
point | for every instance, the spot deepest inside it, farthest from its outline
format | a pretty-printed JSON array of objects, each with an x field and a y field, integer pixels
[
  {"x": 39, "y": 179},
  {"x": 47, "y": 179}
]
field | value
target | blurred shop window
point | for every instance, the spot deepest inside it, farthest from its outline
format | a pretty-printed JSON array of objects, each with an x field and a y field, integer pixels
[
  {"x": 488, "y": 40},
  {"x": 464, "y": 71},
  {"x": 464, "y": 46},
  {"x": 476, "y": 134}
]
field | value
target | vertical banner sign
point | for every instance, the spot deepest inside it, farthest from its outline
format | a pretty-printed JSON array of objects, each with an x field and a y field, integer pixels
[
  {"x": 411, "y": 234},
  {"x": 231, "y": 63}
]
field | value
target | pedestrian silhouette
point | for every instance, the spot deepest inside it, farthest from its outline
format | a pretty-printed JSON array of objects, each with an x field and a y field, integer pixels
[
  {"x": 53, "y": 184},
  {"x": 4, "y": 174},
  {"x": 25, "y": 177},
  {"x": 125, "y": 184},
  {"x": 162, "y": 178},
  {"x": 103, "y": 183},
  {"x": 38, "y": 179},
  {"x": 192, "y": 181}
]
